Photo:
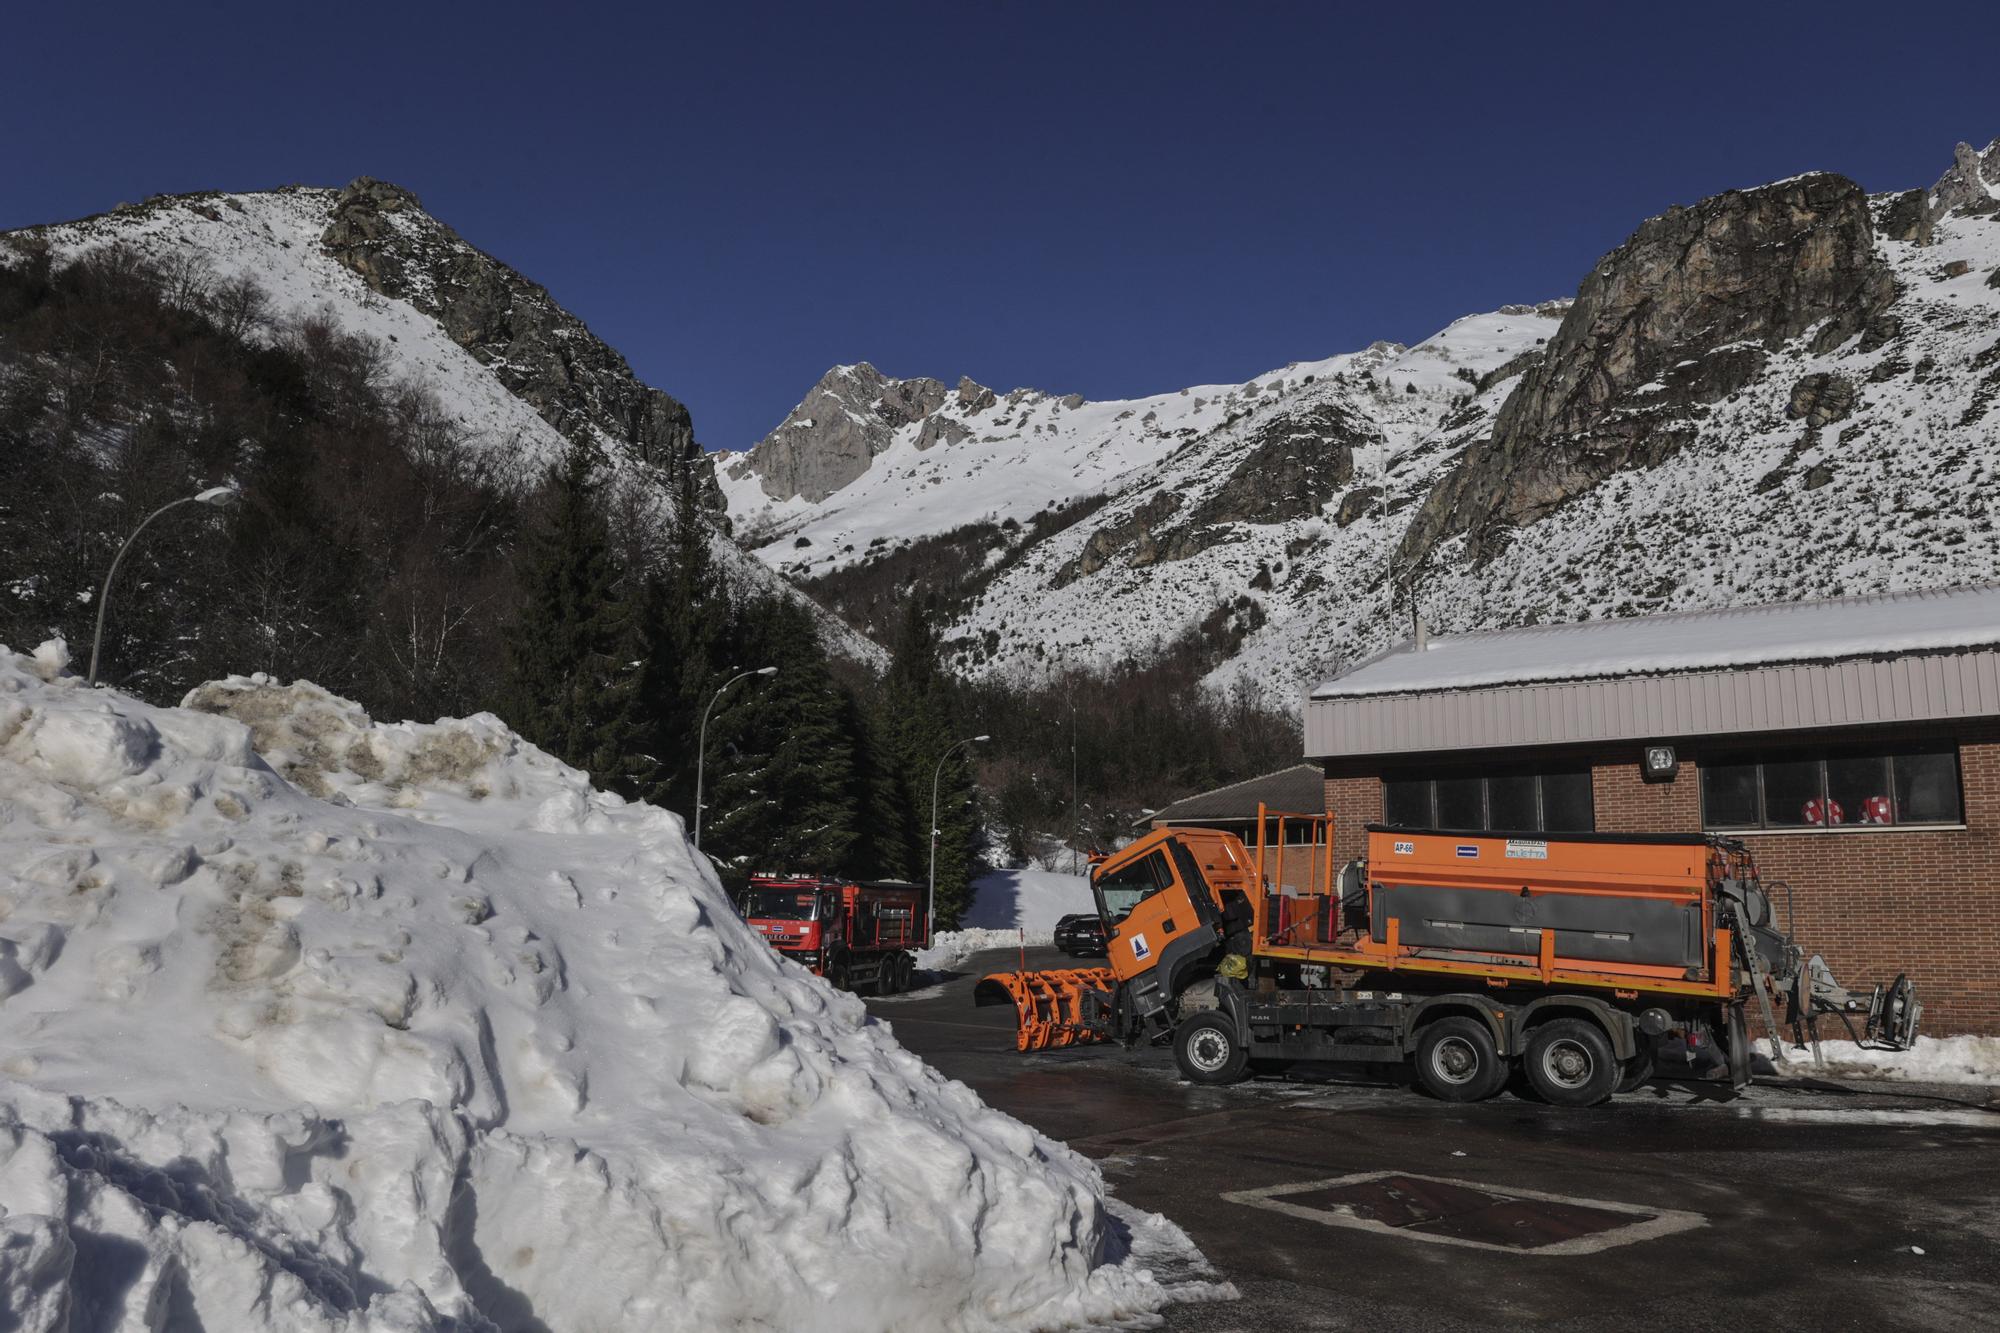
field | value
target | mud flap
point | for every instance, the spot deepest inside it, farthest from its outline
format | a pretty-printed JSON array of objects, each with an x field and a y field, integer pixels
[{"x": 1738, "y": 1039}]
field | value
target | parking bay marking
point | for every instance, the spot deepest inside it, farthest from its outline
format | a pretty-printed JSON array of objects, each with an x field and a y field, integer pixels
[{"x": 1443, "y": 1211}]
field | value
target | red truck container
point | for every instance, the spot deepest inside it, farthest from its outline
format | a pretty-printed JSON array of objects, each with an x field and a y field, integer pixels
[{"x": 861, "y": 936}]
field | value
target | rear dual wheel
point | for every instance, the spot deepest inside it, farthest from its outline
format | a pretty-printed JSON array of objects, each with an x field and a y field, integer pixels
[
  {"x": 1569, "y": 1062},
  {"x": 895, "y": 976},
  {"x": 1457, "y": 1060}
]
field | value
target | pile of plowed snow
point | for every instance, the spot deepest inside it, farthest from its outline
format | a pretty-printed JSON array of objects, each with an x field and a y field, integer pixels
[{"x": 308, "y": 1022}]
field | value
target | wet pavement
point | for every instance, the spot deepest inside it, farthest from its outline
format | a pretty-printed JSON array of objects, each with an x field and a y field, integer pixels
[{"x": 1350, "y": 1201}]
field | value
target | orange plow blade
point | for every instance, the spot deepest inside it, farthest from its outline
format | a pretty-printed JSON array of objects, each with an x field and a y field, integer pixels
[{"x": 1051, "y": 1006}]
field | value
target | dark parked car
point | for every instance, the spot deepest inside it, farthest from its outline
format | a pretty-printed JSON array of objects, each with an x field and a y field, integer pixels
[{"x": 1080, "y": 934}]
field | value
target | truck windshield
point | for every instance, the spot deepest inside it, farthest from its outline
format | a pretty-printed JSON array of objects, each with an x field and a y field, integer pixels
[
  {"x": 780, "y": 905},
  {"x": 1120, "y": 890}
]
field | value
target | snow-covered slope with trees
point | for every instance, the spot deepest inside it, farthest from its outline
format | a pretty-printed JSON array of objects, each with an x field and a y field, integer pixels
[
  {"x": 308, "y": 1022},
  {"x": 519, "y": 376},
  {"x": 1777, "y": 393}
]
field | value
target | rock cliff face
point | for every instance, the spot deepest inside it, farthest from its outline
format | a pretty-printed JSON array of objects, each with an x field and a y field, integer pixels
[
  {"x": 849, "y": 417},
  {"x": 1680, "y": 316},
  {"x": 543, "y": 354}
]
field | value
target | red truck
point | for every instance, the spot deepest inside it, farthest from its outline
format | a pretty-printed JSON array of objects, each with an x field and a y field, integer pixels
[{"x": 861, "y": 936}]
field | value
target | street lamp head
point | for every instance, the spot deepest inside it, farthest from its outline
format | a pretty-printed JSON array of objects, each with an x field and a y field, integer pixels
[
  {"x": 767, "y": 671},
  {"x": 219, "y": 497},
  {"x": 982, "y": 738}
]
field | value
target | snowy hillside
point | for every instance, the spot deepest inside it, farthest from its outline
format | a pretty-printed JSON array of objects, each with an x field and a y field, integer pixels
[
  {"x": 1808, "y": 407},
  {"x": 521, "y": 375},
  {"x": 308, "y": 1022},
  {"x": 980, "y": 457}
]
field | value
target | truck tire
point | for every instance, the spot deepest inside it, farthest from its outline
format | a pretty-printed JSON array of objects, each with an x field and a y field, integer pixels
[
  {"x": 1457, "y": 1061},
  {"x": 906, "y": 971},
  {"x": 837, "y": 974},
  {"x": 885, "y": 977},
  {"x": 1569, "y": 1062},
  {"x": 1207, "y": 1051}
]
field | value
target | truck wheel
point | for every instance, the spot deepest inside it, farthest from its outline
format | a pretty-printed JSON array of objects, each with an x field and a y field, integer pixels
[
  {"x": 837, "y": 975},
  {"x": 906, "y": 971},
  {"x": 1458, "y": 1062},
  {"x": 1638, "y": 1072},
  {"x": 1206, "y": 1049},
  {"x": 1569, "y": 1063}
]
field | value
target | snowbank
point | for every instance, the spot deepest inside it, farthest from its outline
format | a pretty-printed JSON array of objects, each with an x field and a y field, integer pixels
[
  {"x": 951, "y": 947},
  {"x": 1932, "y": 1060},
  {"x": 314, "y": 1023},
  {"x": 1030, "y": 899}
]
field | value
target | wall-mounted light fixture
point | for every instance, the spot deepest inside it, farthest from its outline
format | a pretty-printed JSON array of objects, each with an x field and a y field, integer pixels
[{"x": 1660, "y": 763}]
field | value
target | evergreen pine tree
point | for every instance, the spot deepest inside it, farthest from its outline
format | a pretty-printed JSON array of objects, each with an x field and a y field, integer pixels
[
  {"x": 887, "y": 837},
  {"x": 922, "y": 729},
  {"x": 687, "y": 617},
  {"x": 571, "y": 680},
  {"x": 780, "y": 790}
]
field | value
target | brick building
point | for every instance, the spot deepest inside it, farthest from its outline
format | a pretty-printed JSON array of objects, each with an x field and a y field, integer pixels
[{"x": 1854, "y": 745}]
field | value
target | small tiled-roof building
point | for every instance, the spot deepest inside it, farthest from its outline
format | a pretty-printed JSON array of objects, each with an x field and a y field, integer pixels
[
  {"x": 1853, "y": 744},
  {"x": 1298, "y": 790}
]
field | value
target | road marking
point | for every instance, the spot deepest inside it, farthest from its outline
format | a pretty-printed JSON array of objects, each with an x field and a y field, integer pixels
[{"x": 1433, "y": 1208}]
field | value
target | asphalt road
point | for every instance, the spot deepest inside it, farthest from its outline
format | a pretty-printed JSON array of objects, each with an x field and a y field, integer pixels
[{"x": 1803, "y": 1204}]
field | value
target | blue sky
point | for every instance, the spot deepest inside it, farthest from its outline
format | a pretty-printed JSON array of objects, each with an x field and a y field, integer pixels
[{"x": 1102, "y": 198}]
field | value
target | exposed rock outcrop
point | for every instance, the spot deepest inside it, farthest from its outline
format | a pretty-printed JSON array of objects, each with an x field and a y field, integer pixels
[
  {"x": 1676, "y": 318},
  {"x": 1107, "y": 541},
  {"x": 1907, "y": 217},
  {"x": 1821, "y": 400},
  {"x": 847, "y": 418},
  {"x": 973, "y": 396},
  {"x": 1356, "y": 503},
  {"x": 541, "y": 352},
  {"x": 1296, "y": 464},
  {"x": 1972, "y": 185}
]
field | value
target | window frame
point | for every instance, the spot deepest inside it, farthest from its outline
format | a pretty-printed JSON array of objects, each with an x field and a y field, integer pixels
[
  {"x": 1485, "y": 779},
  {"x": 1821, "y": 758}
]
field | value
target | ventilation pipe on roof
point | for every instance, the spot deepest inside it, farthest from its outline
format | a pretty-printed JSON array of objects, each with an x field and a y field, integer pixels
[{"x": 1420, "y": 636}]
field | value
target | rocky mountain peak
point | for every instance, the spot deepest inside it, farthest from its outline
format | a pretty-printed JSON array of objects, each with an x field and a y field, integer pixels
[
  {"x": 539, "y": 351},
  {"x": 848, "y": 418},
  {"x": 1972, "y": 185},
  {"x": 1680, "y": 316}
]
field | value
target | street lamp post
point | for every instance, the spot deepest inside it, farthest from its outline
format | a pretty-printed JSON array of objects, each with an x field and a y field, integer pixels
[
  {"x": 701, "y": 743},
  {"x": 930, "y": 910},
  {"x": 1075, "y": 853},
  {"x": 216, "y": 497}
]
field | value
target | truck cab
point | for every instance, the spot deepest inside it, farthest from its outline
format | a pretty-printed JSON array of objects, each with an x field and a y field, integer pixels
[{"x": 797, "y": 916}]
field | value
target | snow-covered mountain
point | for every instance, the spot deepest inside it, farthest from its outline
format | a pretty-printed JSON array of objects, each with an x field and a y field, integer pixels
[
  {"x": 521, "y": 375},
  {"x": 1786, "y": 391}
]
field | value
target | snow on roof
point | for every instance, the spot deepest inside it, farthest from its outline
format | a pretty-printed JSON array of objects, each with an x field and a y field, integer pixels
[
  {"x": 1745, "y": 636},
  {"x": 1300, "y": 789}
]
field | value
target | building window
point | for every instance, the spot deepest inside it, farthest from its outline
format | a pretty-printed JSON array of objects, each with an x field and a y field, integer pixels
[
  {"x": 1296, "y": 832},
  {"x": 1524, "y": 802},
  {"x": 1809, "y": 791}
]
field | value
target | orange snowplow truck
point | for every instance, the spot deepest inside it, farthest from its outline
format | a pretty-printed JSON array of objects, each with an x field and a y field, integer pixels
[
  {"x": 860, "y": 936},
  {"x": 1575, "y": 958}
]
